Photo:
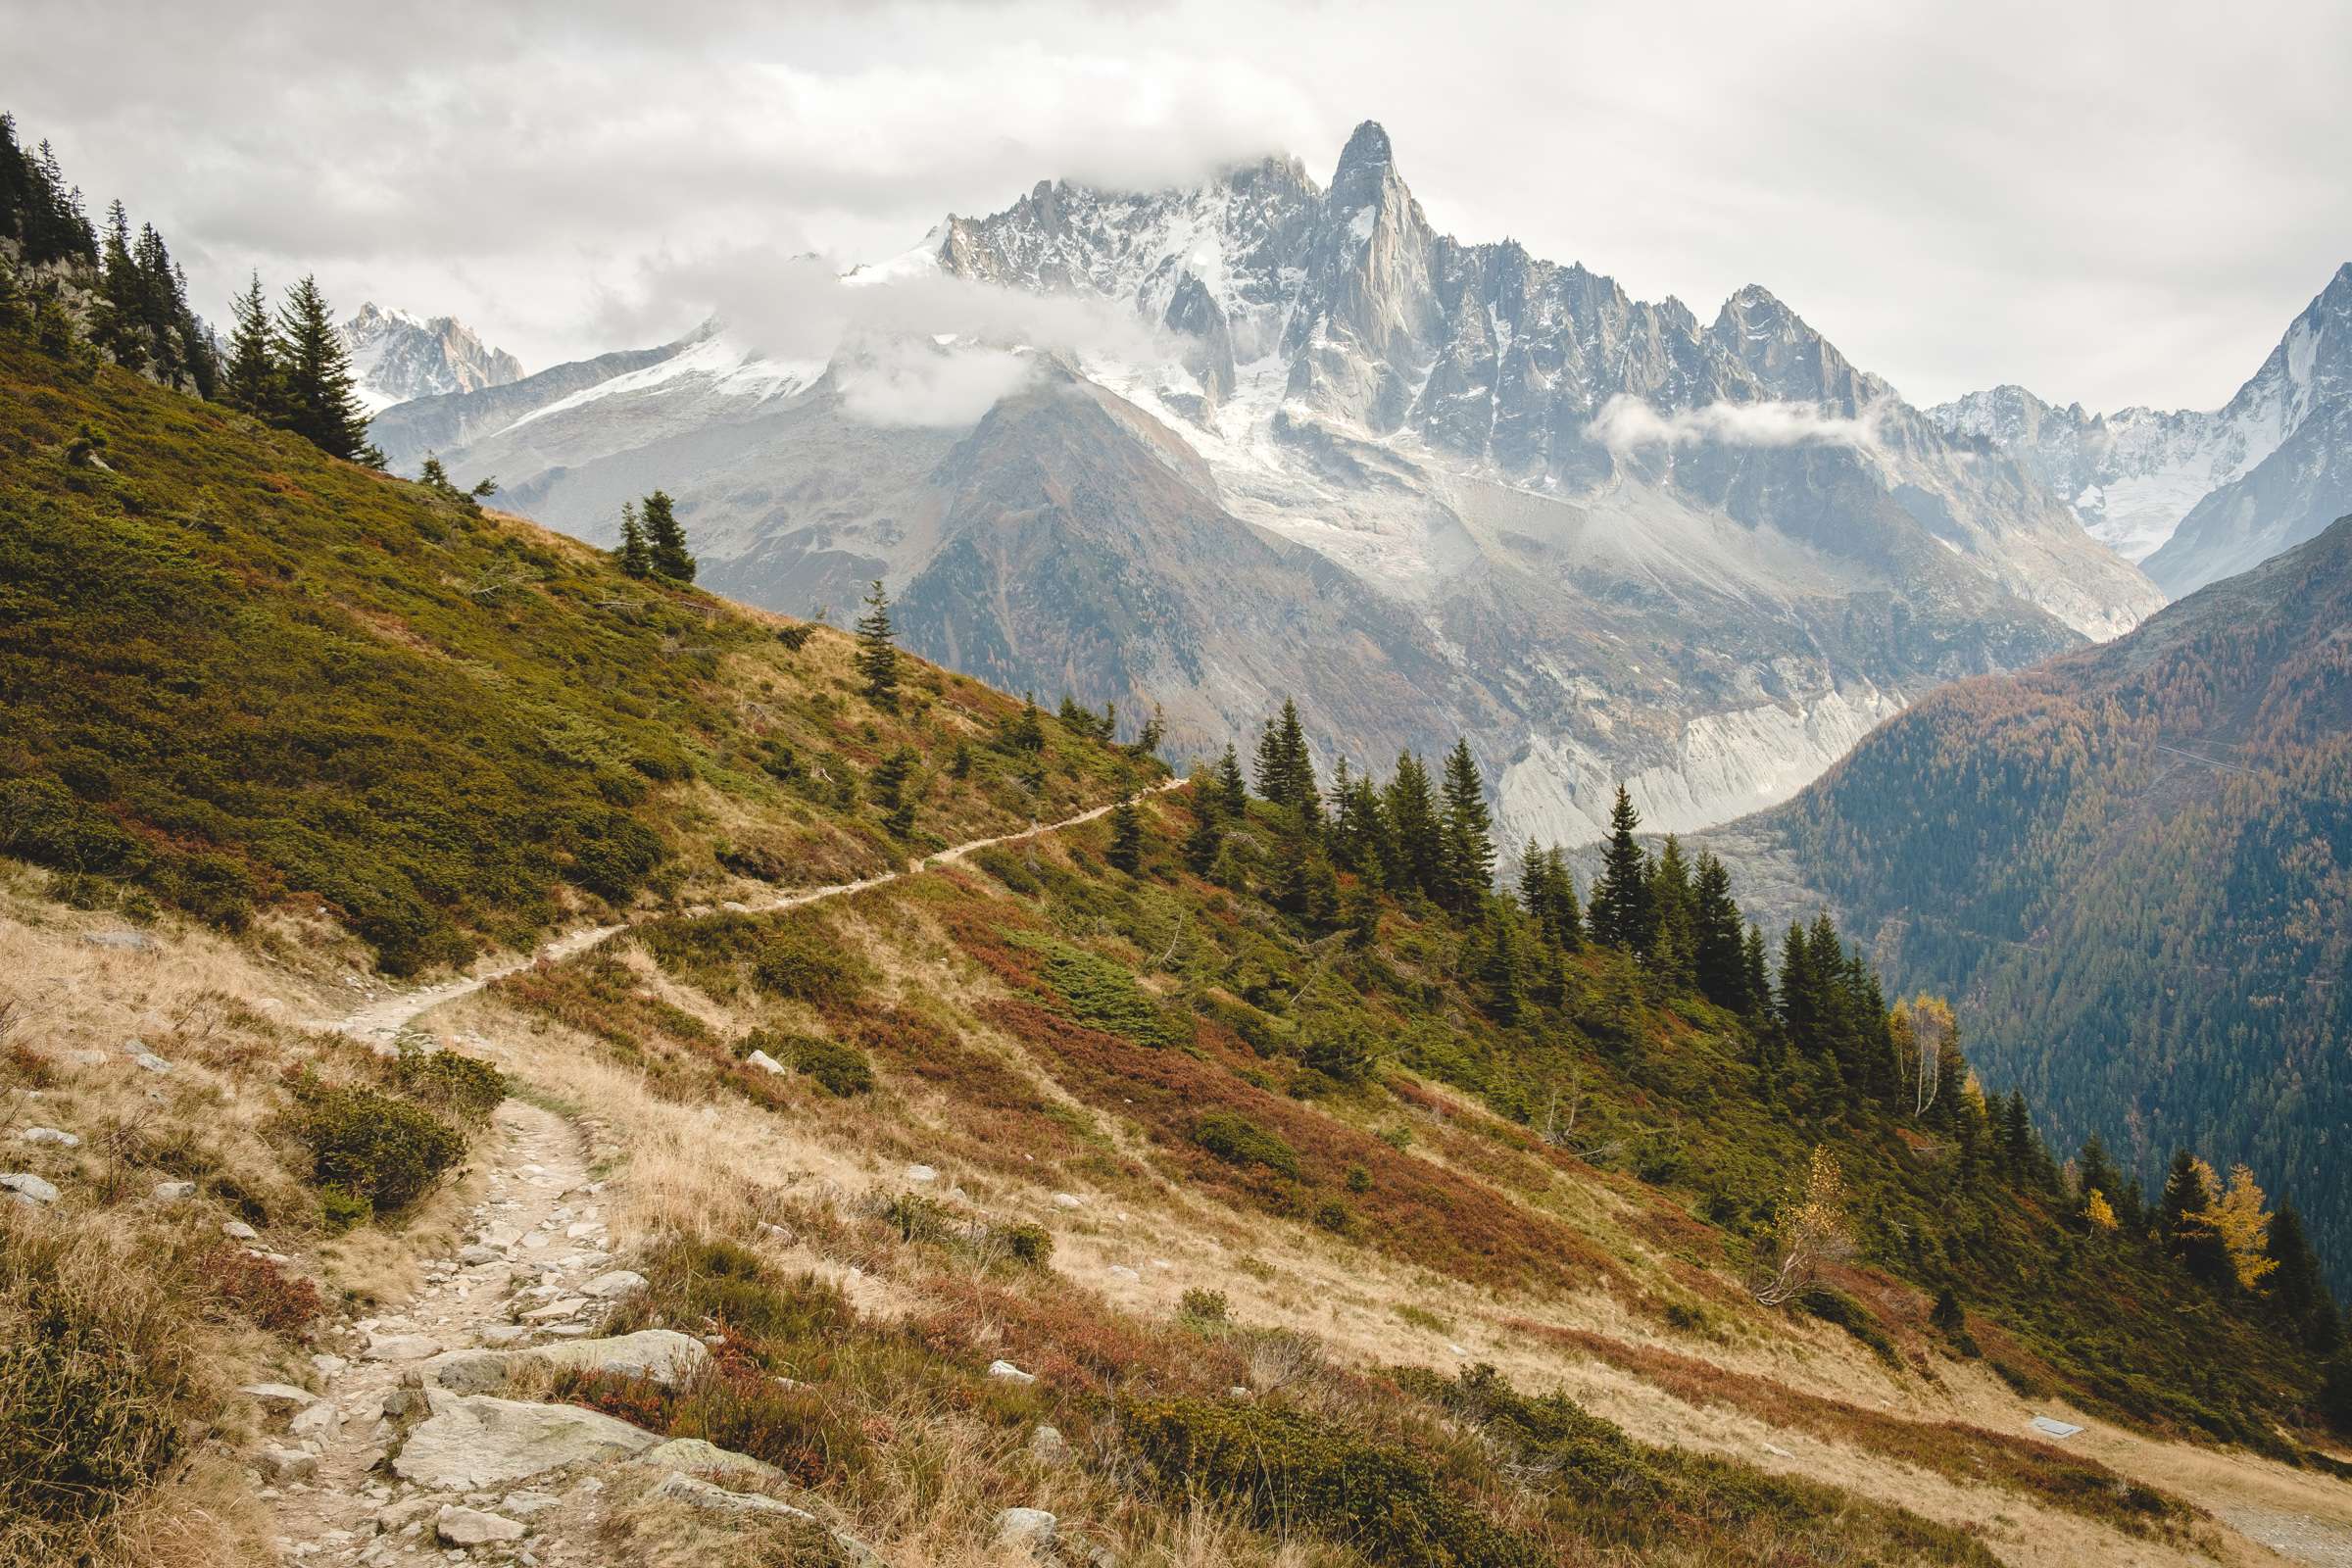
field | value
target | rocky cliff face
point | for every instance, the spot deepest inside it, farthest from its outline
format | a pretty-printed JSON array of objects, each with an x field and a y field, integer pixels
[
  {"x": 396, "y": 357},
  {"x": 1430, "y": 488},
  {"x": 2265, "y": 471}
]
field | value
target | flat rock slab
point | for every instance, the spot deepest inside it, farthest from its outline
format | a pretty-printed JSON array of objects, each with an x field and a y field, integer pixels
[
  {"x": 692, "y": 1456},
  {"x": 473, "y": 1442},
  {"x": 662, "y": 1355},
  {"x": 470, "y": 1527}
]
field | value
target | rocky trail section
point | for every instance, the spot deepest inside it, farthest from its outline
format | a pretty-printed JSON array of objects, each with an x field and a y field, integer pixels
[{"x": 412, "y": 1443}]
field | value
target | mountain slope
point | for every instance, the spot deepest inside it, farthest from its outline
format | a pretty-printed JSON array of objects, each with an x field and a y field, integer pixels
[
  {"x": 2265, "y": 471},
  {"x": 396, "y": 357},
  {"x": 237, "y": 673},
  {"x": 2135, "y": 865},
  {"x": 1501, "y": 474}
]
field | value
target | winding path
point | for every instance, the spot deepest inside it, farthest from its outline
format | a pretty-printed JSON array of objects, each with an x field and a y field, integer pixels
[{"x": 380, "y": 1021}]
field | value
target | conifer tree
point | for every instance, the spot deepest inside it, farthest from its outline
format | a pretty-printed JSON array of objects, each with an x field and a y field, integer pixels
[
  {"x": 666, "y": 539},
  {"x": 1468, "y": 832},
  {"x": 1672, "y": 916},
  {"x": 1619, "y": 916},
  {"x": 1758, "y": 981},
  {"x": 1548, "y": 892},
  {"x": 318, "y": 403},
  {"x": 1232, "y": 794},
  {"x": 1412, "y": 814},
  {"x": 1206, "y": 840},
  {"x": 1126, "y": 852},
  {"x": 878, "y": 653},
  {"x": 253, "y": 380},
  {"x": 887, "y": 784},
  {"x": 1286, "y": 773},
  {"x": 1495, "y": 964},
  {"x": 635, "y": 557},
  {"x": 1028, "y": 731},
  {"x": 2189, "y": 1189},
  {"x": 1719, "y": 960},
  {"x": 1360, "y": 834}
]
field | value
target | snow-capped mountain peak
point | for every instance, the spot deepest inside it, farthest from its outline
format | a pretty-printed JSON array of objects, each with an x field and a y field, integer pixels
[
  {"x": 2138, "y": 476},
  {"x": 396, "y": 356}
]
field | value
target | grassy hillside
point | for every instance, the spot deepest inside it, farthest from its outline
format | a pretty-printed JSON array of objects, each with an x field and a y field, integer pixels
[
  {"x": 2135, "y": 864},
  {"x": 233, "y": 671},
  {"x": 1332, "y": 1209}
]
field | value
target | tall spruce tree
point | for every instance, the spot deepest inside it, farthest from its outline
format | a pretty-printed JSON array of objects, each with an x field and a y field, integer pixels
[
  {"x": 1412, "y": 813},
  {"x": 635, "y": 556},
  {"x": 253, "y": 380},
  {"x": 1758, "y": 978},
  {"x": 1233, "y": 795},
  {"x": 666, "y": 539},
  {"x": 1718, "y": 938},
  {"x": 1285, "y": 772},
  {"x": 1468, "y": 831},
  {"x": 1126, "y": 852},
  {"x": 320, "y": 405},
  {"x": 878, "y": 651},
  {"x": 1671, "y": 914},
  {"x": 1619, "y": 914}
]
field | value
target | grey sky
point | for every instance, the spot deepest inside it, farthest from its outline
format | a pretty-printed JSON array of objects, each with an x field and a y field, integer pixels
[{"x": 2113, "y": 202}]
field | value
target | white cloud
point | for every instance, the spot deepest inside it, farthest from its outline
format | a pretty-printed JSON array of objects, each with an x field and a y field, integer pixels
[
  {"x": 905, "y": 382},
  {"x": 1626, "y": 423}
]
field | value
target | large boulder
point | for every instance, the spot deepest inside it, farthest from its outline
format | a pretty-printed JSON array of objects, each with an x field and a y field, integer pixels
[
  {"x": 472, "y": 1443},
  {"x": 663, "y": 1355}
]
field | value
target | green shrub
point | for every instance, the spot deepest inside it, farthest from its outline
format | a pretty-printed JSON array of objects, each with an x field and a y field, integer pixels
[
  {"x": 1835, "y": 1306},
  {"x": 1283, "y": 1468},
  {"x": 1239, "y": 1140},
  {"x": 1101, "y": 994},
  {"x": 917, "y": 1218},
  {"x": 386, "y": 1150},
  {"x": 462, "y": 1086},
  {"x": 1031, "y": 1245},
  {"x": 839, "y": 1067},
  {"x": 1359, "y": 1180},
  {"x": 1201, "y": 1305},
  {"x": 694, "y": 1279},
  {"x": 1334, "y": 1217}
]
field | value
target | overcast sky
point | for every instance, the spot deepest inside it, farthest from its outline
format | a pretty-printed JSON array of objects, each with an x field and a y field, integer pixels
[{"x": 2117, "y": 203}]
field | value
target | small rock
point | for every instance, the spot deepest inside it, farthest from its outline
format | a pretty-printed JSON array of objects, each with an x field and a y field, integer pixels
[
  {"x": 330, "y": 1365},
  {"x": 316, "y": 1423},
  {"x": 1455, "y": 1349},
  {"x": 1033, "y": 1528},
  {"x": 568, "y": 1307},
  {"x": 237, "y": 1230},
  {"x": 392, "y": 1520},
  {"x": 620, "y": 1282},
  {"x": 49, "y": 1135},
  {"x": 29, "y": 1189},
  {"x": 143, "y": 1059},
  {"x": 921, "y": 1173},
  {"x": 677, "y": 1486},
  {"x": 470, "y": 1444},
  {"x": 289, "y": 1464},
  {"x": 1011, "y": 1373},
  {"x": 279, "y": 1398},
  {"x": 1048, "y": 1443},
  {"x": 765, "y": 1062},
  {"x": 1237, "y": 1391},
  {"x": 401, "y": 1346},
  {"x": 479, "y": 1254},
  {"x": 469, "y": 1527},
  {"x": 1068, "y": 1200},
  {"x": 128, "y": 941},
  {"x": 528, "y": 1504},
  {"x": 175, "y": 1191},
  {"x": 1120, "y": 1271}
]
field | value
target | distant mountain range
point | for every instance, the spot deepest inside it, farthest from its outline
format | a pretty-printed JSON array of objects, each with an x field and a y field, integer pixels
[
  {"x": 2197, "y": 495},
  {"x": 2133, "y": 865},
  {"x": 1430, "y": 488},
  {"x": 396, "y": 357}
]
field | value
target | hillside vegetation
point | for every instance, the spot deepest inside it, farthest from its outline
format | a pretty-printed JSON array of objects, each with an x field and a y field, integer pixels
[
  {"x": 234, "y": 670},
  {"x": 2134, "y": 866},
  {"x": 1327, "y": 1206}
]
